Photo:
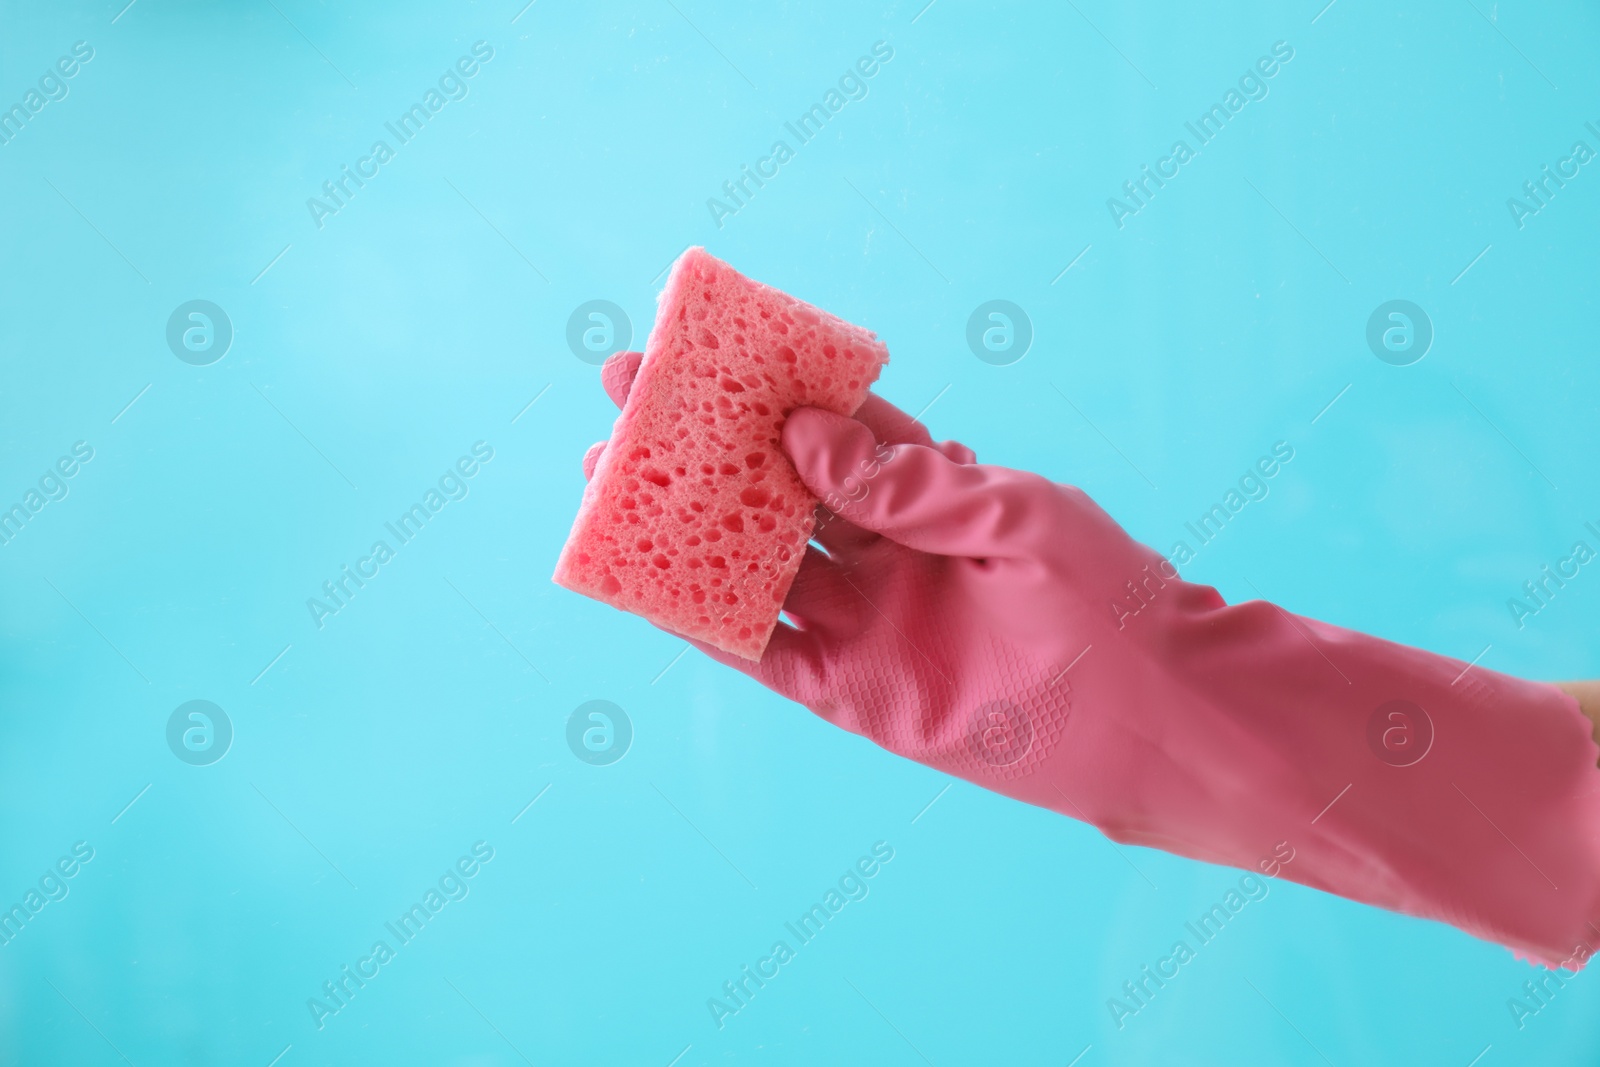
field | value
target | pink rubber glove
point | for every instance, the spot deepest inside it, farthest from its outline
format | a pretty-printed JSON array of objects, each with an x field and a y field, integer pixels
[{"x": 1003, "y": 628}]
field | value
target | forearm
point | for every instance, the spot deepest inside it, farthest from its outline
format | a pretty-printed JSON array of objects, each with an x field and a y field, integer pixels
[{"x": 1402, "y": 778}]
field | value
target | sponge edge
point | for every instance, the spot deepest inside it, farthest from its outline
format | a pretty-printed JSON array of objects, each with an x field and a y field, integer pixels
[{"x": 695, "y": 519}]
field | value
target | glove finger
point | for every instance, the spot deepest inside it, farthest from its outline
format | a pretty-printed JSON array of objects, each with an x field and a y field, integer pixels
[
  {"x": 915, "y": 494},
  {"x": 888, "y": 423},
  {"x": 956, "y": 452},
  {"x": 591, "y": 459},
  {"x": 617, "y": 374},
  {"x": 843, "y": 539}
]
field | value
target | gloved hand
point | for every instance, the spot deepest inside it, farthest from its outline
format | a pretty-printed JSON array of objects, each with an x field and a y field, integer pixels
[{"x": 1004, "y": 629}]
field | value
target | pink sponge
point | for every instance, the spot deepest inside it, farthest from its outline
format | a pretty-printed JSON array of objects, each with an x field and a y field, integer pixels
[{"x": 695, "y": 519}]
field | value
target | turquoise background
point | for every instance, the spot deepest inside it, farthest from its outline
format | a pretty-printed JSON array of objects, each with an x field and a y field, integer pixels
[{"x": 368, "y": 354}]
